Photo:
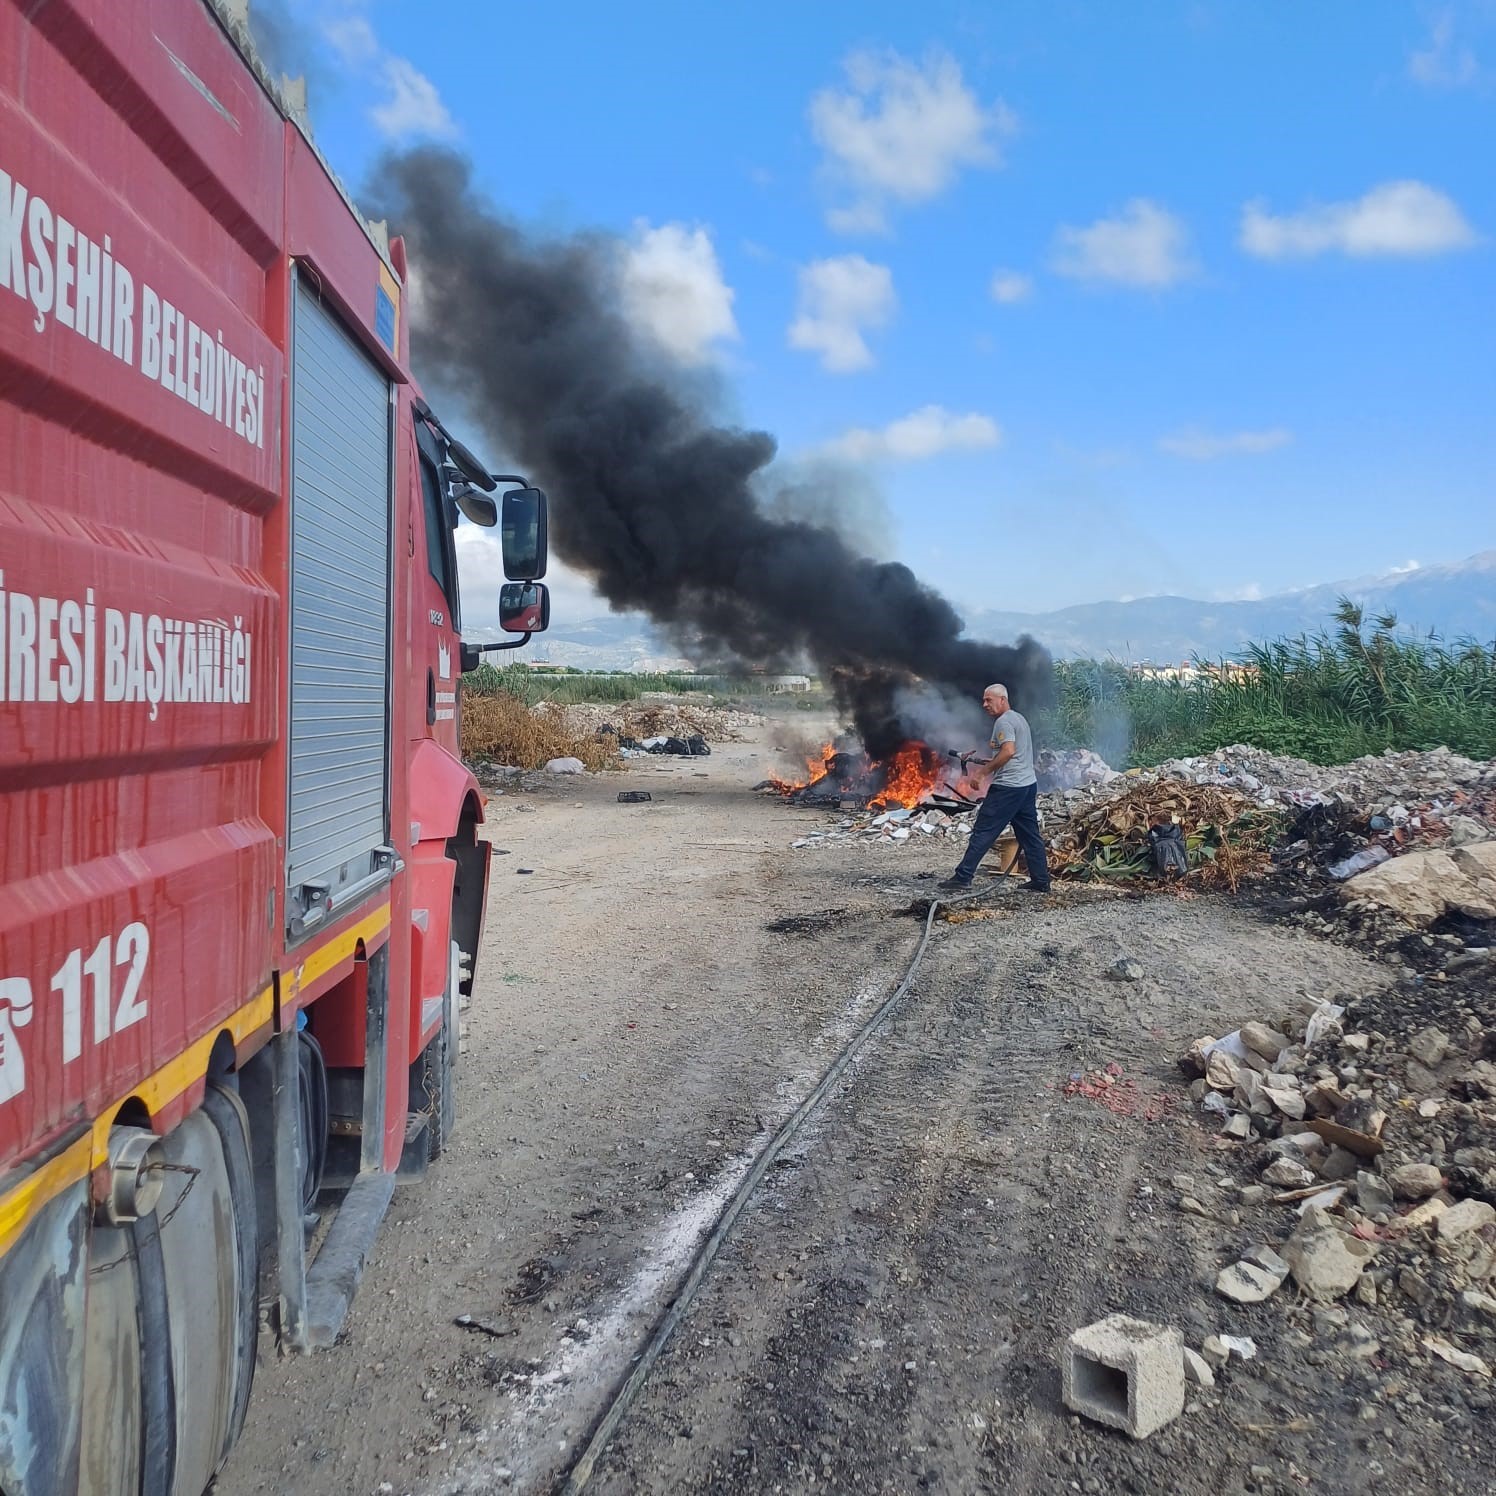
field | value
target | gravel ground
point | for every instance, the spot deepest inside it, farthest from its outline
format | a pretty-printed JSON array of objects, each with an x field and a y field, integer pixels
[{"x": 655, "y": 996}]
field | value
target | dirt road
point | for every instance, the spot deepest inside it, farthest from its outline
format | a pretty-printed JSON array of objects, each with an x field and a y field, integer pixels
[{"x": 889, "y": 1312}]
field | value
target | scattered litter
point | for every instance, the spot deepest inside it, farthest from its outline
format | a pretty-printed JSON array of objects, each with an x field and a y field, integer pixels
[
  {"x": 1359, "y": 862},
  {"x": 633, "y": 797}
]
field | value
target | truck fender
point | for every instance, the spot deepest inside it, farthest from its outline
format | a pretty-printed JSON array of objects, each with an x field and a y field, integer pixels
[{"x": 442, "y": 792}]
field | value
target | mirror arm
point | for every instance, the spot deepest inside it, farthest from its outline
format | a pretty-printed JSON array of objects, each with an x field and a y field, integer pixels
[{"x": 472, "y": 651}]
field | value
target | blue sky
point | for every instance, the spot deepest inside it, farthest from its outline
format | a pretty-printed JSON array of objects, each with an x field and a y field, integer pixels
[{"x": 1110, "y": 300}]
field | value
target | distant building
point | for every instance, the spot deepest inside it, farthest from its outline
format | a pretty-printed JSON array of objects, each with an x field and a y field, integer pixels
[
  {"x": 780, "y": 685},
  {"x": 1189, "y": 671}
]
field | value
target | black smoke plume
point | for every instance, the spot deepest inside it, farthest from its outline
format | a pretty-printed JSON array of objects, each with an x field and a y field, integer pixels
[{"x": 653, "y": 501}]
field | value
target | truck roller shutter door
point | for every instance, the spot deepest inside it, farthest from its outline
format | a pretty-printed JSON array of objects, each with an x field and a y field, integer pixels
[{"x": 340, "y": 647}]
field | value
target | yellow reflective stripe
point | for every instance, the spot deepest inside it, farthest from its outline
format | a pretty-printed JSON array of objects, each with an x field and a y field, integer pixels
[
  {"x": 178, "y": 1075},
  {"x": 40, "y": 1188},
  {"x": 159, "y": 1089},
  {"x": 322, "y": 960}
]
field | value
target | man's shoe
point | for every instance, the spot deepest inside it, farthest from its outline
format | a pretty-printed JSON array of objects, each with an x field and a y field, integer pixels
[
  {"x": 953, "y": 885},
  {"x": 1032, "y": 887}
]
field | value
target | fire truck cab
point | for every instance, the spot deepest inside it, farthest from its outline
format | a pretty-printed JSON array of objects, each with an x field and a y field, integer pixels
[{"x": 243, "y": 881}]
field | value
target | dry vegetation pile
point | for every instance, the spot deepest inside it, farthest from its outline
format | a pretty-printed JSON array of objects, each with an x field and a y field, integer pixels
[
  {"x": 1227, "y": 835},
  {"x": 503, "y": 730}
]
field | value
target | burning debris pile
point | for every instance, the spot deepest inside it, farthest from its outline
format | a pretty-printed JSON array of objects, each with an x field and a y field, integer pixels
[
  {"x": 846, "y": 777},
  {"x": 915, "y": 793},
  {"x": 1371, "y": 1127}
]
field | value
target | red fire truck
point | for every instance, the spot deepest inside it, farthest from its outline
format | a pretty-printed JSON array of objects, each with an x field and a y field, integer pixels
[{"x": 241, "y": 881}]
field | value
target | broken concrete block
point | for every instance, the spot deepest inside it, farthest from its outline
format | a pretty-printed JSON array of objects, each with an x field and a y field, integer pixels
[
  {"x": 1285, "y": 1173},
  {"x": 1468, "y": 1215},
  {"x": 1430, "y": 1046},
  {"x": 1338, "y": 1164},
  {"x": 1261, "y": 1039},
  {"x": 1325, "y": 1263},
  {"x": 1421, "y": 1215},
  {"x": 1246, "y": 1283},
  {"x": 1373, "y": 1194},
  {"x": 1288, "y": 1101},
  {"x": 1476, "y": 895},
  {"x": 1125, "y": 1373},
  {"x": 1476, "y": 1365},
  {"x": 1415, "y": 1181},
  {"x": 1197, "y": 1369}
]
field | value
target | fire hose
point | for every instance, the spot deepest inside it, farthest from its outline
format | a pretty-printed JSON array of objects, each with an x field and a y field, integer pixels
[{"x": 628, "y": 1389}]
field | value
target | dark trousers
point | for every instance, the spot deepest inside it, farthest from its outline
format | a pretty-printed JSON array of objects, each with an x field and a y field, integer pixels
[{"x": 1003, "y": 806}]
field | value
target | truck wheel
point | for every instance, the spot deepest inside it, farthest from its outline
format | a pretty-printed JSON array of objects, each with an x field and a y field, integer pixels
[{"x": 439, "y": 1064}]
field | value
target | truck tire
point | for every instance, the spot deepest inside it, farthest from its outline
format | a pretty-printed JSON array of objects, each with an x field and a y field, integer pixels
[{"x": 438, "y": 1065}]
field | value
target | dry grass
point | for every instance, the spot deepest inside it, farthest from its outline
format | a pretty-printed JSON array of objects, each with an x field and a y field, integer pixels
[{"x": 503, "y": 729}]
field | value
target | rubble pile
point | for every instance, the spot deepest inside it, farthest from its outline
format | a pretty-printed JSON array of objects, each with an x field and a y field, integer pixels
[
  {"x": 1373, "y": 784},
  {"x": 645, "y": 719},
  {"x": 1371, "y": 1127}
]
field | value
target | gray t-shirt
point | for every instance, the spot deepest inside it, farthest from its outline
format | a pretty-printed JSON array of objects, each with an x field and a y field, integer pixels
[{"x": 1019, "y": 770}]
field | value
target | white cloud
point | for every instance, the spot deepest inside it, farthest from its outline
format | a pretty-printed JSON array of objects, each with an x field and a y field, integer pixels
[
  {"x": 414, "y": 107},
  {"x": 673, "y": 288},
  {"x": 1204, "y": 446},
  {"x": 1407, "y": 566},
  {"x": 1009, "y": 286},
  {"x": 1395, "y": 218},
  {"x": 839, "y": 300},
  {"x": 922, "y": 433},
  {"x": 1445, "y": 62},
  {"x": 1144, "y": 245},
  {"x": 1248, "y": 592},
  {"x": 352, "y": 38},
  {"x": 900, "y": 132}
]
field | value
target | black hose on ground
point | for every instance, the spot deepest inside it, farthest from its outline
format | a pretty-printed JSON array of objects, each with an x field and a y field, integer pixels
[{"x": 607, "y": 1425}]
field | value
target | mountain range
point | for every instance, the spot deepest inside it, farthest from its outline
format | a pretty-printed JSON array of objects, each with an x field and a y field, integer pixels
[{"x": 1453, "y": 600}]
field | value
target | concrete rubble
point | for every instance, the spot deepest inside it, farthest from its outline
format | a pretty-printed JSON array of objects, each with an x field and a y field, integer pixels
[{"x": 1362, "y": 1138}]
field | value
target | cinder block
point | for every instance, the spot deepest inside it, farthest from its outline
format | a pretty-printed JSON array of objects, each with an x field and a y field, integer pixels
[{"x": 1125, "y": 1373}]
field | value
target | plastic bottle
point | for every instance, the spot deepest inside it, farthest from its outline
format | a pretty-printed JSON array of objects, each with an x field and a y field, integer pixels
[{"x": 1358, "y": 862}]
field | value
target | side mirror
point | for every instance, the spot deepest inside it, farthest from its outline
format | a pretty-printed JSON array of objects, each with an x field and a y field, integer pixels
[
  {"x": 524, "y": 607},
  {"x": 478, "y": 507},
  {"x": 524, "y": 534}
]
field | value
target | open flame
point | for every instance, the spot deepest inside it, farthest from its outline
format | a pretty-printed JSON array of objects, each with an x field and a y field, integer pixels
[{"x": 908, "y": 778}]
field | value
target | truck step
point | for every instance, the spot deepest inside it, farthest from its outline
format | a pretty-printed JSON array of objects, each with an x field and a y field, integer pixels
[{"x": 333, "y": 1278}]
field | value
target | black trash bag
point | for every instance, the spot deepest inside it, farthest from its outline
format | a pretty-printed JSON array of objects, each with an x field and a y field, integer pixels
[
  {"x": 1171, "y": 857},
  {"x": 699, "y": 746}
]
